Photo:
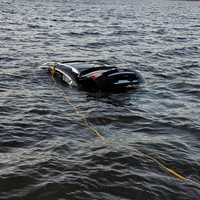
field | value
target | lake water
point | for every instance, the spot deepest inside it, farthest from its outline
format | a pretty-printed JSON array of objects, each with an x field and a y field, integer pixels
[{"x": 45, "y": 150}]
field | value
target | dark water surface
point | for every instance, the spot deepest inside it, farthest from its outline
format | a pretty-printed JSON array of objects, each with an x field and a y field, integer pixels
[{"x": 45, "y": 152}]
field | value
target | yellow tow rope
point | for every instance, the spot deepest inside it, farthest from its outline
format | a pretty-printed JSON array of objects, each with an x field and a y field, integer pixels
[
  {"x": 53, "y": 70},
  {"x": 99, "y": 135}
]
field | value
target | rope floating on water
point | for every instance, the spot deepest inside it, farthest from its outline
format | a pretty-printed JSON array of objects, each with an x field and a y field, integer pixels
[{"x": 98, "y": 134}]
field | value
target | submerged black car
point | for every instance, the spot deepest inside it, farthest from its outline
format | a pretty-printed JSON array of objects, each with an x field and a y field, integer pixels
[{"x": 97, "y": 78}]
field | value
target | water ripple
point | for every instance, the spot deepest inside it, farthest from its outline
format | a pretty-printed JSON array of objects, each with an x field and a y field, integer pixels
[{"x": 47, "y": 152}]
